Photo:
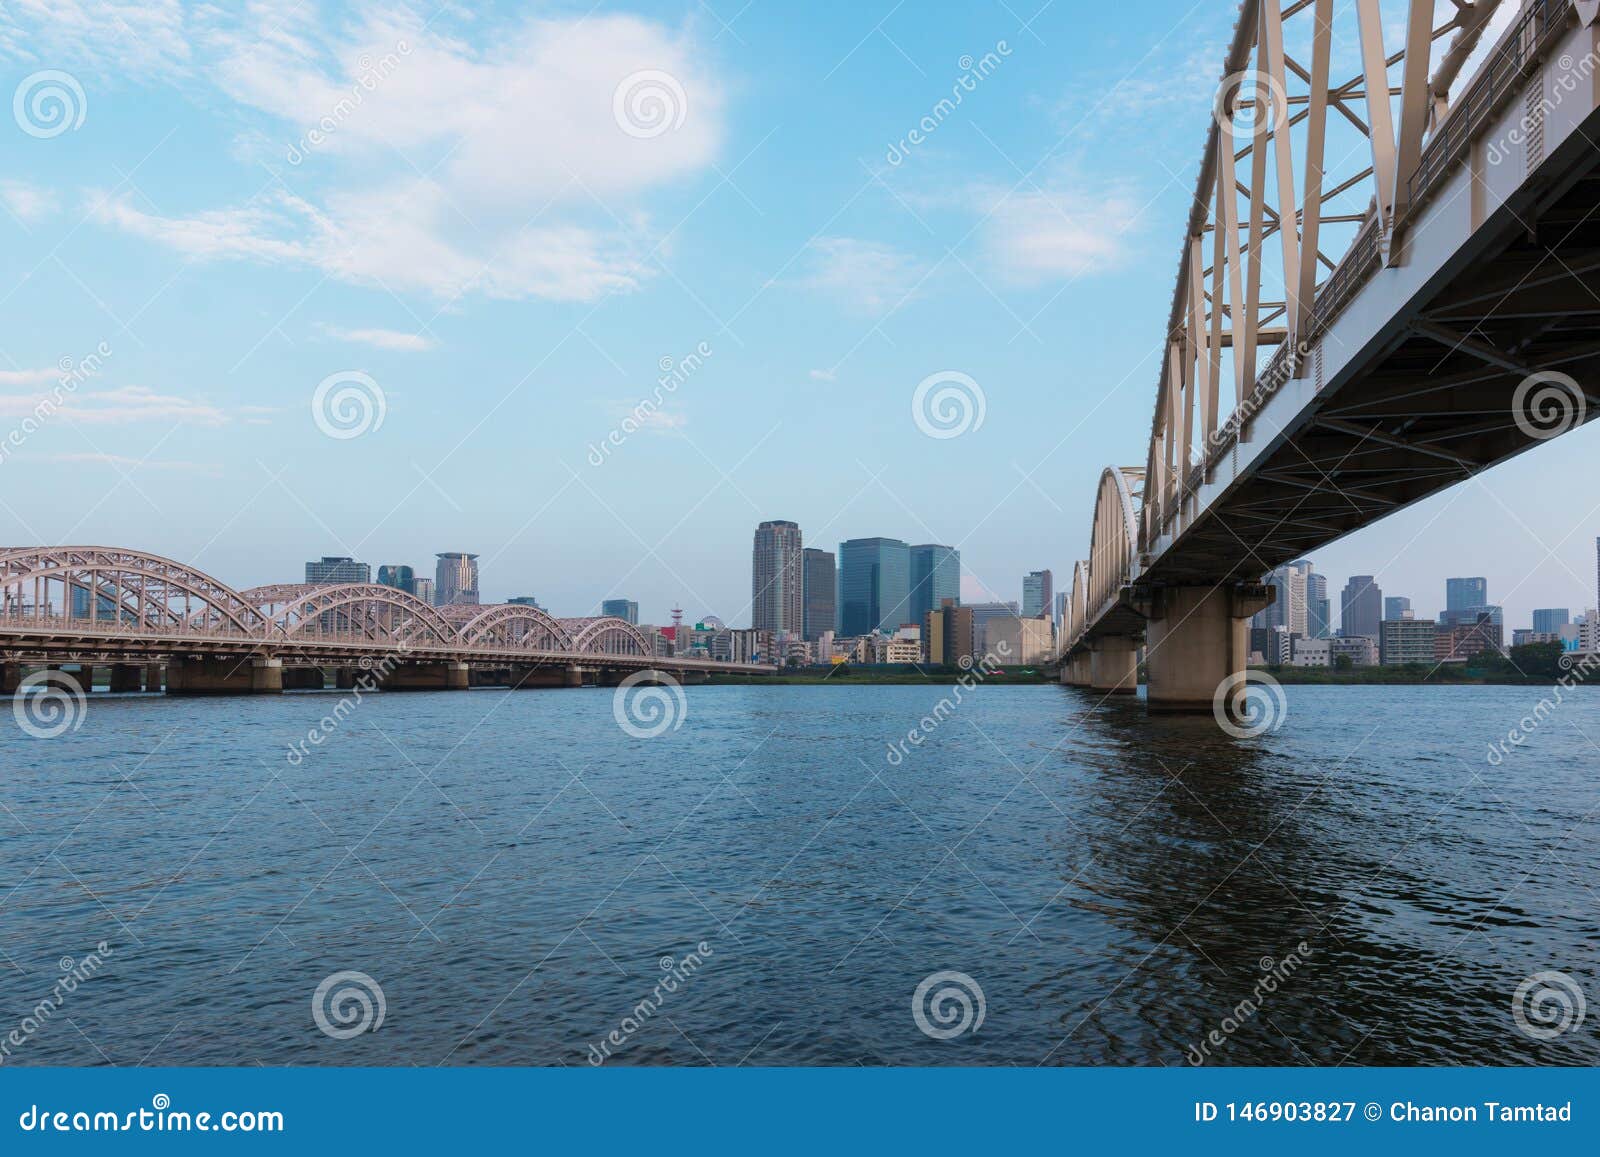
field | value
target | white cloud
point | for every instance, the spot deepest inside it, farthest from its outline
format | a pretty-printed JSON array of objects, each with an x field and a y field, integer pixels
[
  {"x": 136, "y": 463},
  {"x": 29, "y": 377},
  {"x": 383, "y": 339},
  {"x": 25, "y": 202},
  {"x": 532, "y": 187},
  {"x": 822, "y": 375},
  {"x": 863, "y": 273},
  {"x": 1038, "y": 234},
  {"x": 130, "y": 37},
  {"x": 118, "y": 406},
  {"x": 659, "y": 421}
]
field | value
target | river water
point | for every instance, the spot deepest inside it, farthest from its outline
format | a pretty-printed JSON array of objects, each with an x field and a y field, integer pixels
[{"x": 527, "y": 882}]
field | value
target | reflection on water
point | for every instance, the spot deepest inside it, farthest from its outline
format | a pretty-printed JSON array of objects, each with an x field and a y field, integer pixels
[{"x": 521, "y": 878}]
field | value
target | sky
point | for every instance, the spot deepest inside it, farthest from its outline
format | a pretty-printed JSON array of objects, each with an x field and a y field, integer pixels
[{"x": 593, "y": 291}]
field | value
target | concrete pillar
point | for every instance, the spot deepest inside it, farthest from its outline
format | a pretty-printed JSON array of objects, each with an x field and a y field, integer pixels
[
  {"x": 154, "y": 676},
  {"x": 426, "y": 677},
  {"x": 86, "y": 676},
  {"x": 1198, "y": 636},
  {"x": 345, "y": 678},
  {"x": 227, "y": 675},
  {"x": 1114, "y": 665},
  {"x": 10, "y": 678},
  {"x": 574, "y": 676},
  {"x": 266, "y": 676},
  {"x": 126, "y": 677}
]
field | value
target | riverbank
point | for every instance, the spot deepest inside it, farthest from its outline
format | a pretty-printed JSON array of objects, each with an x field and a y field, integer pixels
[{"x": 870, "y": 676}]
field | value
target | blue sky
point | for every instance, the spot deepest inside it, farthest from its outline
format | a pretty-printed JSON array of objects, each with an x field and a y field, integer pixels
[{"x": 502, "y": 245}]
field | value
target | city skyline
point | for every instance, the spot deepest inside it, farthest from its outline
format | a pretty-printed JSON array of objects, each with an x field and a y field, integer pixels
[{"x": 200, "y": 442}]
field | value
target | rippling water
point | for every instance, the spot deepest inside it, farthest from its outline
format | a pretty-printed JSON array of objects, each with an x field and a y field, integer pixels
[{"x": 513, "y": 869}]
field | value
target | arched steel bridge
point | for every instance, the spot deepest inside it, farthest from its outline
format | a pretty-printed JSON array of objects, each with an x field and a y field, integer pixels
[
  {"x": 83, "y": 604},
  {"x": 1452, "y": 172}
]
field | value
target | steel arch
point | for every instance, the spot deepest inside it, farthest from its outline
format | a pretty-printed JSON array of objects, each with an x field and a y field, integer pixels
[
  {"x": 143, "y": 585},
  {"x": 511, "y": 625},
  {"x": 1114, "y": 538},
  {"x": 383, "y": 614},
  {"x": 591, "y": 636}
]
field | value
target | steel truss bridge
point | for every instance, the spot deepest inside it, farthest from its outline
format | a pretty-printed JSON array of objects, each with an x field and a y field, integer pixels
[
  {"x": 143, "y": 614},
  {"x": 1416, "y": 243}
]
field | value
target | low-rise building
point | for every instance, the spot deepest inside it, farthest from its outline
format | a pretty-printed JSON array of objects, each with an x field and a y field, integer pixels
[
  {"x": 1406, "y": 641},
  {"x": 1311, "y": 653},
  {"x": 1361, "y": 650}
]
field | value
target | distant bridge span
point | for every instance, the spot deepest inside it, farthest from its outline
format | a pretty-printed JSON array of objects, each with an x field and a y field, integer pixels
[
  {"x": 1458, "y": 328},
  {"x": 134, "y": 610}
]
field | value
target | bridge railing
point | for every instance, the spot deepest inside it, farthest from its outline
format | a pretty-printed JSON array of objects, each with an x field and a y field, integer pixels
[{"x": 1500, "y": 78}]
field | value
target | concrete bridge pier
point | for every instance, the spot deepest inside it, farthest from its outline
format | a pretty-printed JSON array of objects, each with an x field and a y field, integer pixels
[
  {"x": 1198, "y": 636},
  {"x": 154, "y": 677},
  {"x": 1075, "y": 669},
  {"x": 304, "y": 679},
  {"x": 1114, "y": 665},
  {"x": 10, "y": 678},
  {"x": 229, "y": 675},
  {"x": 427, "y": 677},
  {"x": 86, "y": 676},
  {"x": 126, "y": 677}
]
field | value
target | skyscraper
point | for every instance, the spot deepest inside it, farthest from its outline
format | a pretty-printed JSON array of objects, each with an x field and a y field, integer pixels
[
  {"x": 777, "y": 592},
  {"x": 1288, "y": 608},
  {"x": 457, "y": 578},
  {"x": 423, "y": 589},
  {"x": 1038, "y": 592},
  {"x": 338, "y": 570},
  {"x": 401, "y": 578},
  {"x": 1361, "y": 608},
  {"x": 1549, "y": 620},
  {"x": 1319, "y": 613},
  {"x": 625, "y": 609},
  {"x": 819, "y": 582},
  {"x": 874, "y": 585},
  {"x": 1461, "y": 595},
  {"x": 1396, "y": 607},
  {"x": 935, "y": 576}
]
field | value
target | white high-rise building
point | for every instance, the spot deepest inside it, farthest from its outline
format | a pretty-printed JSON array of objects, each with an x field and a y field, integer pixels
[{"x": 456, "y": 579}]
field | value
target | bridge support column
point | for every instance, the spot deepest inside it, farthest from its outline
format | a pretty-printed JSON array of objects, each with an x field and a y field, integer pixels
[
  {"x": 10, "y": 678},
  {"x": 86, "y": 676},
  {"x": 1075, "y": 669},
  {"x": 1198, "y": 636},
  {"x": 230, "y": 675},
  {"x": 304, "y": 679},
  {"x": 154, "y": 676},
  {"x": 344, "y": 679},
  {"x": 426, "y": 677},
  {"x": 1114, "y": 665},
  {"x": 126, "y": 677}
]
